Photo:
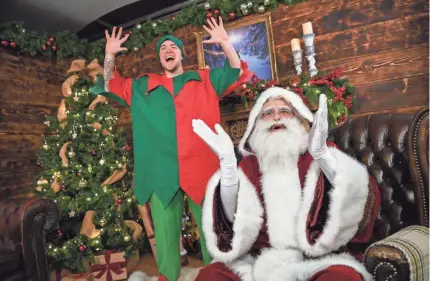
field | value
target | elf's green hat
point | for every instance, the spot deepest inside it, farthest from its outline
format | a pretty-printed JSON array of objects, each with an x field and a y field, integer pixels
[{"x": 172, "y": 38}]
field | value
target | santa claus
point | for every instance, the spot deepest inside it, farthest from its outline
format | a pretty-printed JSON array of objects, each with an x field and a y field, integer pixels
[{"x": 293, "y": 206}]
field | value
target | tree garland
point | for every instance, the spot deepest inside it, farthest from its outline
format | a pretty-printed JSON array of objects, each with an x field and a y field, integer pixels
[
  {"x": 337, "y": 89},
  {"x": 13, "y": 35}
]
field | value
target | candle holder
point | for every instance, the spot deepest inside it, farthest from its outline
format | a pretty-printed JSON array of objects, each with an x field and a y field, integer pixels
[
  {"x": 297, "y": 55},
  {"x": 310, "y": 53}
]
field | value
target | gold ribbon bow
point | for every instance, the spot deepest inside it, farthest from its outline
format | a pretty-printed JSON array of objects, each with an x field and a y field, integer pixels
[{"x": 92, "y": 69}]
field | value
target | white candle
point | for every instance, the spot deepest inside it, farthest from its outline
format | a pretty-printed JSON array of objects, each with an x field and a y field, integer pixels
[
  {"x": 307, "y": 28},
  {"x": 295, "y": 44}
]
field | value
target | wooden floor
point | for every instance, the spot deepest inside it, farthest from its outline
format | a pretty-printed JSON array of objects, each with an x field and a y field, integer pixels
[{"x": 147, "y": 264}]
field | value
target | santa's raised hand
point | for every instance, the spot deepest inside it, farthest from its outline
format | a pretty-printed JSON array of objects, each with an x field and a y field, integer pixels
[
  {"x": 216, "y": 31},
  {"x": 318, "y": 134},
  {"x": 219, "y": 141}
]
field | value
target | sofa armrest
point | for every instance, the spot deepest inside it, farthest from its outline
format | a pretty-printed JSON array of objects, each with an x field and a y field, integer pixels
[
  {"x": 401, "y": 256},
  {"x": 24, "y": 223}
]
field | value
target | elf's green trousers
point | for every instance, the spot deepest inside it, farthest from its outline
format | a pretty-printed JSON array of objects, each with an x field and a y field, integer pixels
[{"x": 167, "y": 228}]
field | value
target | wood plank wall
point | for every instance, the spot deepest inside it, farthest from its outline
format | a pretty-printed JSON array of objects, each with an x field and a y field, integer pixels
[
  {"x": 30, "y": 88},
  {"x": 382, "y": 44}
]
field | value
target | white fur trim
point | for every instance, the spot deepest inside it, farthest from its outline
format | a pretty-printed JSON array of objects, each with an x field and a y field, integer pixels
[
  {"x": 271, "y": 260},
  {"x": 140, "y": 276},
  {"x": 247, "y": 222},
  {"x": 243, "y": 267},
  {"x": 302, "y": 271},
  {"x": 282, "y": 195},
  {"x": 295, "y": 100},
  {"x": 346, "y": 208}
]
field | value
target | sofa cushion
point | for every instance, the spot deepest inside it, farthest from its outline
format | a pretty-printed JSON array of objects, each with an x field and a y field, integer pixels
[{"x": 10, "y": 261}]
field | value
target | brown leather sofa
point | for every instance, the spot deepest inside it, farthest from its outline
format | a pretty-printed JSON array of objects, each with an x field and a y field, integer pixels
[
  {"x": 24, "y": 223},
  {"x": 395, "y": 149}
]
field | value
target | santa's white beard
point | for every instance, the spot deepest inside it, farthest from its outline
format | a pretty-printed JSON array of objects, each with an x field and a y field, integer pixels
[{"x": 280, "y": 148}]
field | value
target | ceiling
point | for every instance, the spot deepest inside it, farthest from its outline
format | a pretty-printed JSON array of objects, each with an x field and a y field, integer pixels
[{"x": 87, "y": 18}]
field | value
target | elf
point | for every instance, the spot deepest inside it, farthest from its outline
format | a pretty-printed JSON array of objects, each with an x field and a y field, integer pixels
[{"x": 170, "y": 160}]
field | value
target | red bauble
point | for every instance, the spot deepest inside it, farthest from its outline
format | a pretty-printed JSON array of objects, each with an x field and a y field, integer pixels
[
  {"x": 119, "y": 201},
  {"x": 48, "y": 43},
  {"x": 217, "y": 12},
  {"x": 13, "y": 44},
  {"x": 209, "y": 15},
  {"x": 93, "y": 152},
  {"x": 78, "y": 174},
  {"x": 54, "y": 48},
  {"x": 39, "y": 164},
  {"x": 128, "y": 148},
  {"x": 172, "y": 17},
  {"x": 231, "y": 16},
  {"x": 60, "y": 233},
  {"x": 5, "y": 43},
  {"x": 63, "y": 186},
  {"x": 43, "y": 47},
  {"x": 70, "y": 107},
  {"x": 51, "y": 39},
  {"x": 82, "y": 248}
]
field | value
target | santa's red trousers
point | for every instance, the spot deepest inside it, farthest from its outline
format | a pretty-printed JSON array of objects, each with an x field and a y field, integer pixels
[{"x": 219, "y": 272}]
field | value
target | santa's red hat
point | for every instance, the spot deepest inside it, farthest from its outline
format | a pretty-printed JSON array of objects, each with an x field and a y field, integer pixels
[{"x": 274, "y": 92}]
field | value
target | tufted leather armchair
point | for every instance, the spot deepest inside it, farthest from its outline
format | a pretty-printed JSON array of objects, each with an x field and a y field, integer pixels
[
  {"x": 24, "y": 222},
  {"x": 395, "y": 149}
]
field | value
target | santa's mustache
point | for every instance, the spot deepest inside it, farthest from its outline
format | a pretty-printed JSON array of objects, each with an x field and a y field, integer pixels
[{"x": 267, "y": 125}]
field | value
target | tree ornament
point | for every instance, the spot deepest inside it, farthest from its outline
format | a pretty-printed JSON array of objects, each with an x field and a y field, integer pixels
[
  {"x": 71, "y": 154},
  {"x": 172, "y": 18},
  {"x": 217, "y": 12},
  {"x": 48, "y": 43},
  {"x": 117, "y": 228},
  {"x": 59, "y": 233},
  {"x": 249, "y": 5},
  {"x": 127, "y": 238},
  {"x": 45, "y": 146},
  {"x": 231, "y": 16},
  {"x": 93, "y": 152},
  {"x": 154, "y": 25},
  {"x": 135, "y": 49},
  {"x": 138, "y": 26},
  {"x": 43, "y": 47},
  {"x": 82, "y": 248},
  {"x": 128, "y": 148},
  {"x": 207, "y": 6},
  {"x": 208, "y": 14},
  {"x": 72, "y": 214},
  {"x": 102, "y": 222},
  {"x": 266, "y": 2},
  {"x": 83, "y": 183},
  {"x": 63, "y": 186},
  {"x": 243, "y": 7},
  {"x": 245, "y": 12},
  {"x": 42, "y": 181},
  {"x": 38, "y": 164},
  {"x": 261, "y": 9},
  {"x": 102, "y": 161},
  {"x": 51, "y": 39},
  {"x": 119, "y": 201},
  {"x": 12, "y": 44},
  {"x": 54, "y": 48},
  {"x": 5, "y": 43}
]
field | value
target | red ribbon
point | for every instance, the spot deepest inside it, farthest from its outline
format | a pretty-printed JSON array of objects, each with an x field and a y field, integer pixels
[
  {"x": 116, "y": 267},
  {"x": 77, "y": 276}
]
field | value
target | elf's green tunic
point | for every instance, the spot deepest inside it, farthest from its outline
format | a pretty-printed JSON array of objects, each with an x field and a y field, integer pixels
[{"x": 168, "y": 155}]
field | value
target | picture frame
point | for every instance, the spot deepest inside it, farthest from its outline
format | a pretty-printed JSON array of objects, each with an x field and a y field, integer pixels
[{"x": 252, "y": 38}]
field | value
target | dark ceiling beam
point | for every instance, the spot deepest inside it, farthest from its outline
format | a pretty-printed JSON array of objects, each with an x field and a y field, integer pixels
[{"x": 104, "y": 23}]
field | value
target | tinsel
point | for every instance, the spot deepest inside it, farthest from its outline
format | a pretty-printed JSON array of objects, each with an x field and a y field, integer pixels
[{"x": 15, "y": 36}]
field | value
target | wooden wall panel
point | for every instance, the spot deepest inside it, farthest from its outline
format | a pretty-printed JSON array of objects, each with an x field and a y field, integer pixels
[{"x": 30, "y": 89}]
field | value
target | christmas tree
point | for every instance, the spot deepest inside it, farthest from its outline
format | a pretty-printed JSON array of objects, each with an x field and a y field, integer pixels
[{"x": 87, "y": 170}]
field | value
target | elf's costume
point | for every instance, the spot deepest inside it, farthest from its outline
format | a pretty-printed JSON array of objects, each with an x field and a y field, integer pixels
[{"x": 170, "y": 160}]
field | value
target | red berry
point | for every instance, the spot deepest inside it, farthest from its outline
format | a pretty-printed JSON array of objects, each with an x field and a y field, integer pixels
[{"x": 82, "y": 248}]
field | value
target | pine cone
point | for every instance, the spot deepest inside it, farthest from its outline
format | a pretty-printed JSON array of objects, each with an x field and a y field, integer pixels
[{"x": 295, "y": 81}]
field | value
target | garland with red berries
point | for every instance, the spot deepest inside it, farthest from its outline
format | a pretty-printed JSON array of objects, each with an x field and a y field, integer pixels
[
  {"x": 337, "y": 89},
  {"x": 14, "y": 35}
]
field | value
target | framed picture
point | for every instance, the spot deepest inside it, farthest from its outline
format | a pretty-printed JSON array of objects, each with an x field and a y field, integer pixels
[{"x": 252, "y": 38}]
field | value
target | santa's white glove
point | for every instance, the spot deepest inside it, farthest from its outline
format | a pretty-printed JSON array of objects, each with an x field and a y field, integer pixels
[
  {"x": 318, "y": 141},
  {"x": 220, "y": 142}
]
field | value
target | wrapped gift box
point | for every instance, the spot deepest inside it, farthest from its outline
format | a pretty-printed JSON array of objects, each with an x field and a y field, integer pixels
[
  {"x": 78, "y": 277},
  {"x": 58, "y": 274},
  {"x": 109, "y": 266}
]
